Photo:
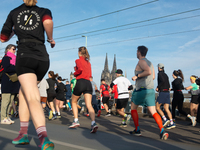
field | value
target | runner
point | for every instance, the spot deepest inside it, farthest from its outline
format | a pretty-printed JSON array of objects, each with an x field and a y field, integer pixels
[
  {"x": 51, "y": 94},
  {"x": 123, "y": 85},
  {"x": 115, "y": 92},
  {"x": 164, "y": 97},
  {"x": 194, "y": 90},
  {"x": 43, "y": 86},
  {"x": 104, "y": 91},
  {"x": 60, "y": 95},
  {"x": 178, "y": 98},
  {"x": 144, "y": 93},
  {"x": 83, "y": 73},
  {"x": 29, "y": 22},
  {"x": 68, "y": 95}
]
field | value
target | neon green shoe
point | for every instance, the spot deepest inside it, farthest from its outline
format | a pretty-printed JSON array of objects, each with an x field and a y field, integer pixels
[
  {"x": 47, "y": 145},
  {"x": 22, "y": 139},
  {"x": 50, "y": 114}
]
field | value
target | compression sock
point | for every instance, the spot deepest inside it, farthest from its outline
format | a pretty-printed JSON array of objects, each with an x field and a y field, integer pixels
[
  {"x": 23, "y": 127},
  {"x": 158, "y": 120},
  {"x": 70, "y": 107},
  {"x": 164, "y": 118},
  {"x": 135, "y": 117},
  {"x": 42, "y": 133}
]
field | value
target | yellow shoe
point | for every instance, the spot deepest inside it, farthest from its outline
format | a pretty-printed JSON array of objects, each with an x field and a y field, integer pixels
[
  {"x": 12, "y": 112},
  {"x": 67, "y": 106},
  {"x": 50, "y": 115}
]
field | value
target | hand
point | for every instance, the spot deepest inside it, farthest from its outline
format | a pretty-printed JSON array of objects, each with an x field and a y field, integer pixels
[
  {"x": 53, "y": 43},
  {"x": 156, "y": 89},
  {"x": 134, "y": 78},
  {"x": 169, "y": 89}
]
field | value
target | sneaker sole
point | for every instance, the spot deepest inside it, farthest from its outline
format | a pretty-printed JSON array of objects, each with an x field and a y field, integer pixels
[
  {"x": 171, "y": 127},
  {"x": 165, "y": 136},
  {"x": 123, "y": 126},
  {"x": 94, "y": 130},
  {"x": 72, "y": 127},
  {"x": 131, "y": 132},
  {"x": 166, "y": 123}
]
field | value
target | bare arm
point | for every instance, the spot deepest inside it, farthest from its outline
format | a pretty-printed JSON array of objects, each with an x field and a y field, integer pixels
[
  {"x": 189, "y": 87},
  {"x": 153, "y": 72},
  {"x": 146, "y": 70},
  {"x": 48, "y": 26}
]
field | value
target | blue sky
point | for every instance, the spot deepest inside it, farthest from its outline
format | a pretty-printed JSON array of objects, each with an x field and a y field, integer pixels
[{"x": 175, "y": 51}]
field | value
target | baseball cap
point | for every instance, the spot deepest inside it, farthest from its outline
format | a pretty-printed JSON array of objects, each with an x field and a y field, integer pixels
[
  {"x": 119, "y": 71},
  {"x": 160, "y": 65}
]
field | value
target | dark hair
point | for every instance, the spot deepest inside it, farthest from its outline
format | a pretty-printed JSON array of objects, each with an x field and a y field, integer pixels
[
  {"x": 9, "y": 47},
  {"x": 61, "y": 79},
  {"x": 53, "y": 76},
  {"x": 102, "y": 80},
  {"x": 143, "y": 50},
  {"x": 84, "y": 52},
  {"x": 178, "y": 73}
]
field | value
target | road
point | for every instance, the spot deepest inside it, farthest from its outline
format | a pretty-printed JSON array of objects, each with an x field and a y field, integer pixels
[{"x": 108, "y": 137}]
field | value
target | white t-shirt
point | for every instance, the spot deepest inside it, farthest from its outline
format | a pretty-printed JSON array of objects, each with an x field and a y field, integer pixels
[
  {"x": 122, "y": 87},
  {"x": 43, "y": 86}
]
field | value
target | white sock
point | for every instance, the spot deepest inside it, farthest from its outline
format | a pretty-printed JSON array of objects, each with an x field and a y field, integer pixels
[
  {"x": 75, "y": 119},
  {"x": 92, "y": 122},
  {"x": 58, "y": 113},
  {"x": 164, "y": 118}
]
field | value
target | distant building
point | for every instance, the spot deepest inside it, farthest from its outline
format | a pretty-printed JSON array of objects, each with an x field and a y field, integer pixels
[{"x": 109, "y": 77}]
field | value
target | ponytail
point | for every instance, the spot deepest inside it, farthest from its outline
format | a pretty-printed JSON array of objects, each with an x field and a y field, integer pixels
[
  {"x": 53, "y": 76},
  {"x": 84, "y": 52},
  {"x": 180, "y": 73}
]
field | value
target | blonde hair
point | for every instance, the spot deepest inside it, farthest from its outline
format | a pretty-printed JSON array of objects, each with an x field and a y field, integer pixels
[
  {"x": 30, "y": 2},
  {"x": 84, "y": 52}
]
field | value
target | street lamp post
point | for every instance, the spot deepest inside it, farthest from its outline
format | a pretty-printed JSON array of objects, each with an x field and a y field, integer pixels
[{"x": 85, "y": 40}]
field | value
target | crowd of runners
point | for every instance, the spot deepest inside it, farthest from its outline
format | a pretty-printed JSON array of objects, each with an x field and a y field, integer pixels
[{"x": 23, "y": 80}]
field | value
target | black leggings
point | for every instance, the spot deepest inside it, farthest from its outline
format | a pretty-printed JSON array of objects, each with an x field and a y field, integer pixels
[{"x": 178, "y": 99}]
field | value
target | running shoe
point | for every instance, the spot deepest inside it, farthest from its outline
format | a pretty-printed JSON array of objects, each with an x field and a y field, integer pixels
[
  {"x": 87, "y": 115},
  {"x": 128, "y": 119},
  {"x": 54, "y": 117},
  {"x": 165, "y": 123},
  {"x": 108, "y": 114},
  {"x": 50, "y": 114},
  {"x": 22, "y": 139},
  {"x": 47, "y": 145},
  {"x": 5, "y": 121},
  {"x": 11, "y": 120},
  {"x": 74, "y": 124},
  {"x": 123, "y": 125},
  {"x": 171, "y": 126},
  {"x": 94, "y": 128},
  {"x": 137, "y": 133},
  {"x": 98, "y": 113},
  {"x": 164, "y": 135},
  {"x": 193, "y": 119},
  {"x": 58, "y": 116}
]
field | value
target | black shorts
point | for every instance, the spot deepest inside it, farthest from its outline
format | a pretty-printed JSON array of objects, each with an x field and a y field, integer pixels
[
  {"x": 194, "y": 99},
  {"x": 31, "y": 65},
  {"x": 82, "y": 86},
  {"x": 105, "y": 100},
  {"x": 51, "y": 97},
  {"x": 122, "y": 103}
]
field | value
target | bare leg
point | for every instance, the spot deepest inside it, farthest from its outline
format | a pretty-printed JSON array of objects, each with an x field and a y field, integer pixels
[
  {"x": 158, "y": 109},
  {"x": 88, "y": 102},
  {"x": 166, "y": 107},
  {"x": 30, "y": 100},
  {"x": 74, "y": 105}
]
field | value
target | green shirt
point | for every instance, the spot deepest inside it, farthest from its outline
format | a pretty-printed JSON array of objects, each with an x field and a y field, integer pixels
[
  {"x": 195, "y": 87},
  {"x": 73, "y": 82}
]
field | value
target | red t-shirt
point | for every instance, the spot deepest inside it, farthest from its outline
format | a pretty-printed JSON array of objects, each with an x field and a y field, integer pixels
[
  {"x": 104, "y": 91},
  {"x": 82, "y": 69},
  {"x": 115, "y": 91}
]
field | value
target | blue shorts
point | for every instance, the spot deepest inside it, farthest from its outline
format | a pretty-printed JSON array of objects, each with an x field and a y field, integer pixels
[
  {"x": 144, "y": 97},
  {"x": 163, "y": 98}
]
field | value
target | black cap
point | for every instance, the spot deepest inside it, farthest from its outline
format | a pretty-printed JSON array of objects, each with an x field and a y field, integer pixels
[{"x": 119, "y": 71}]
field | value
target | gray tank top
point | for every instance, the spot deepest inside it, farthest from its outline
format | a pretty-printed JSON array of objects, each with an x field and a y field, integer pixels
[{"x": 145, "y": 82}]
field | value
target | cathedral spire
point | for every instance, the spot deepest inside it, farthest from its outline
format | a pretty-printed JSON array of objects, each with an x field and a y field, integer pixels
[
  {"x": 114, "y": 69},
  {"x": 106, "y": 64}
]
